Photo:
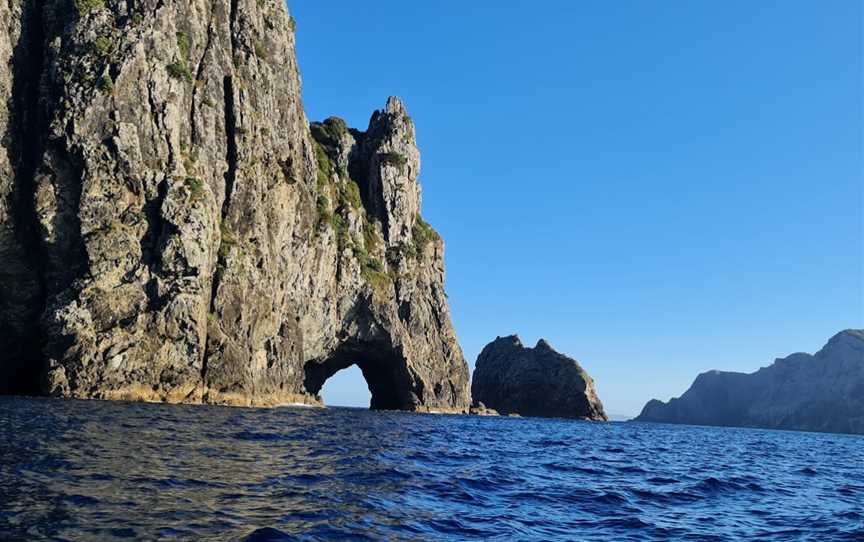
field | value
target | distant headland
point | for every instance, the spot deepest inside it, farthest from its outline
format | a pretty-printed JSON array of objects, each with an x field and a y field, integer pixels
[{"x": 821, "y": 392}]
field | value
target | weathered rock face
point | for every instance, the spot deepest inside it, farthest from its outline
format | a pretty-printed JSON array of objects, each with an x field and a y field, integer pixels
[
  {"x": 822, "y": 392},
  {"x": 513, "y": 379},
  {"x": 169, "y": 229}
]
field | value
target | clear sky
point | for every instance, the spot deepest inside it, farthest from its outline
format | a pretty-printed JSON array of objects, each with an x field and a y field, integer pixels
[{"x": 658, "y": 188}]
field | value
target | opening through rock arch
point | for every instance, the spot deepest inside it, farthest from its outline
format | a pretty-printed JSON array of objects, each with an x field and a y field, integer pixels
[
  {"x": 384, "y": 370},
  {"x": 346, "y": 388}
]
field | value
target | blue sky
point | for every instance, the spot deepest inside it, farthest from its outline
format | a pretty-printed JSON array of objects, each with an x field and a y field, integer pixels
[{"x": 657, "y": 188}]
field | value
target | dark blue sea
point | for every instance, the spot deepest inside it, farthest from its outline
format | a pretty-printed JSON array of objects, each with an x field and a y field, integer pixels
[{"x": 74, "y": 470}]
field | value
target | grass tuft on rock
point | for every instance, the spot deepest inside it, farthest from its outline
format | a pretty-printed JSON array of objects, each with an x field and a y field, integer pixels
[
  {"x": 393, "y": 159},
  {"x": 84, "y": 7},
  {"x": 178, "y": 70},
  {"x": 423, "y": 234},
  {"x": 322, "y": 207},
  {"x": 106, "y": 84},
  {"x": 103, "y": 46},
  {"x": 184, "y": 45},
  {"x": 330, "y": 132},
  {"x": 373, "y": 273},
  {"x": 351, "y": 194},
  {"x": 325, "y": 166},
  {"x": 336, "y": 222},
  {"x": 228, "y": 241},
  {"x": 371, "y": 239},
  {"x": 261, "y": 51},
  {"x": 195, "y": 186}
]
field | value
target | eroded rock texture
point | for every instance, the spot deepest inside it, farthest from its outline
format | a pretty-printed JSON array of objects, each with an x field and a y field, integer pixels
[
  {"x": 513, "y": 379},
  {"x": 821, "y": 392},
  {"x": 170, "y": 230}
]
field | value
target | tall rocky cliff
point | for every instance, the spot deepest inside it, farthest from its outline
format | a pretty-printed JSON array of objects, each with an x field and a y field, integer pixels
[
  {"x": 171, "y": 230},
  {"x": 821, "y": 392}
]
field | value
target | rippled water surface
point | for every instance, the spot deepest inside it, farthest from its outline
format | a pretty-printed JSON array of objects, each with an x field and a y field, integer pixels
[{"x": 101, "y": 471}]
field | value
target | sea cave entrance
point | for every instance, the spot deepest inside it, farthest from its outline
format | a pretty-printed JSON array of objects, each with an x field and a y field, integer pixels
[{"x": 384, "y": 370}]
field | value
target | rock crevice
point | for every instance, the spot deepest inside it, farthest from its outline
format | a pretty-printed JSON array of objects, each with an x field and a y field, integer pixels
[{"x": 22, "y": 288}]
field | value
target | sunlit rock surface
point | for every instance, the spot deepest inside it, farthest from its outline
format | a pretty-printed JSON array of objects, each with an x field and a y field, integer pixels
[{"x": 171, "y": 231}]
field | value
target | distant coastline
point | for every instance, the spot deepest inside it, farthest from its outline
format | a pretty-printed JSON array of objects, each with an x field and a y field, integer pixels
[{"x": 823, "y": 392}]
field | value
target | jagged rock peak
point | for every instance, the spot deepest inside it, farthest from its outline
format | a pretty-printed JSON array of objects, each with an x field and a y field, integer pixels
[
  {"x": 395, "y": 106},
  {"x": 384, "y": 162},
  {"x": 171, "y": 230},
  {"x": 539, "y": 381},
  {"x": 543, "y": 344}
]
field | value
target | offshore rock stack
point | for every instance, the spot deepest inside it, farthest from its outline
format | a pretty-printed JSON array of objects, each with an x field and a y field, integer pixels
[{"x": 512, "y": 379}]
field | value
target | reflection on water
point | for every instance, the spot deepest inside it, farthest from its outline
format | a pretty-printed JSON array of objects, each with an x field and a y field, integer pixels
[{"x": 88, "y": 470}]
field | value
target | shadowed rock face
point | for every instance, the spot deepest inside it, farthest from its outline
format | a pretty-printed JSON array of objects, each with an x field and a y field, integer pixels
[
  {"x": 821, "y": 392},
  {"x": 539, "y": 381},
  {"x": 171, "y": 231}
]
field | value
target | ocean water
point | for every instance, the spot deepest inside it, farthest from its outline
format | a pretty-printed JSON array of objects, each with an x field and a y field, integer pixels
[{"x": 74, "y": 470}]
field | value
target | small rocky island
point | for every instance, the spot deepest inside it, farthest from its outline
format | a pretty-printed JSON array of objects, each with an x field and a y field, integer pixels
[
  {"x": 539, "y": 381},
  {"x": 821, "y": 392}
]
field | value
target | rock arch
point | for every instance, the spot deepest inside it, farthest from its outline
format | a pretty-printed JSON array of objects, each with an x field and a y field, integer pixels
[{"x": 384, "y": 368}]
